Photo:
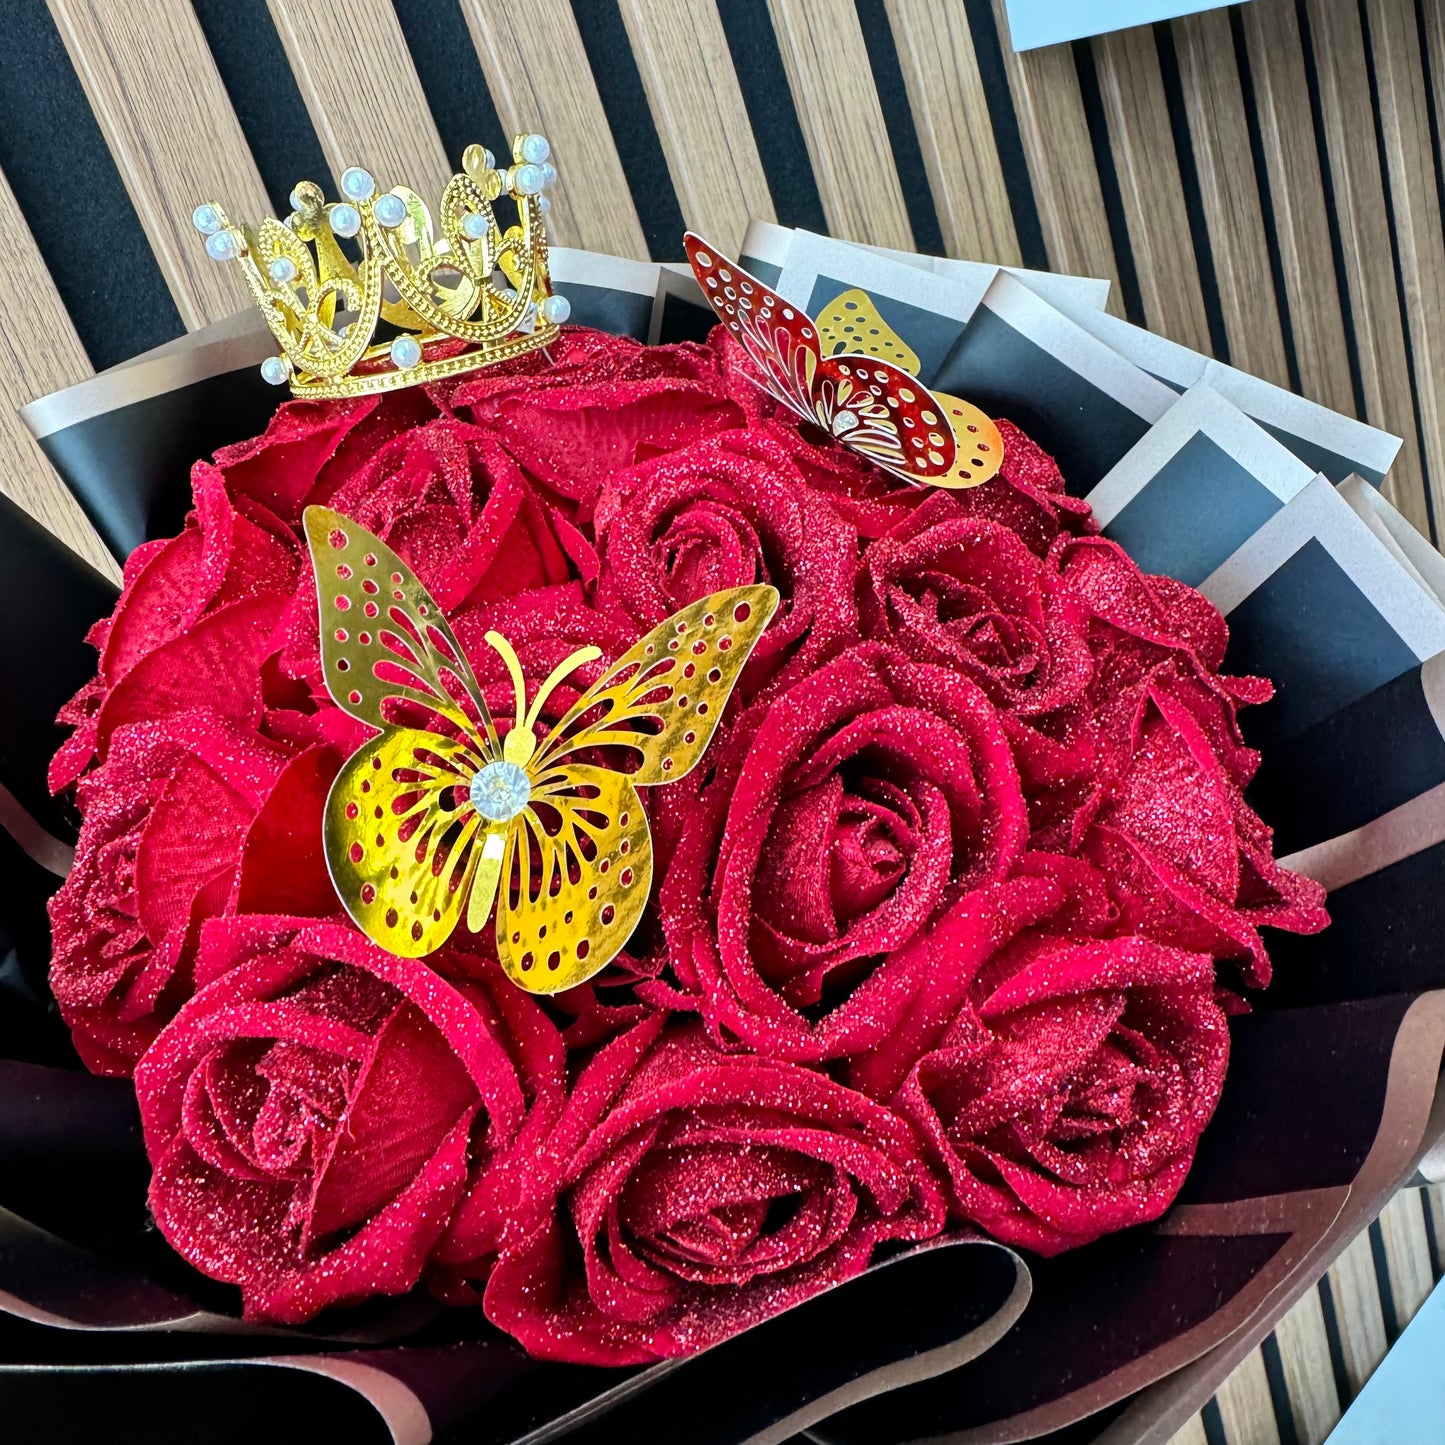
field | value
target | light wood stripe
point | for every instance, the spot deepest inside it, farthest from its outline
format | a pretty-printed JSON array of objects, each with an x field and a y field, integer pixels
[
  {"x": 1191, "y": 1434},
  {"x": 1245, "y": 1407},
  {"x": 540, "y": 80},
  {"x": 1409, "y": 156},
  {"x": 1355, "y": 1291},
  {"x": 45, "y": 357},
  {"x": 1054, "y": 132},
  {"x": 1219, "y": 135},
  {"x": 831, "y": 81},
  {"x": 955, "y": 131},
  {"x": 697, "y": 106},
  {"x": 361, "y": 89},
  {"x": 1153, "y": 195},
  {"x": 1365, "y": 239},
  {"x": 1297, "y": 195},
  {"x": 1407, "y": 1253},
  {"x": 168, "y": 121},
  {"x": 1309, "y": 1377}
]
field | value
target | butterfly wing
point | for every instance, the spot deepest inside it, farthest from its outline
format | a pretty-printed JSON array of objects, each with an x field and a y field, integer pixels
[
  {"x": 575, "y": 878},
  {"x": 663, "y": 698},
  {"x": 885, "y": 415},
  {"x": 402, "y": 844},
  {"x": 386, "y": 648},
  {"x": 780, "y": 340},
  {"x": 979, "y": 447},
  {"x": 869, "y": 404},
  {"x": 851, "y": 323}
]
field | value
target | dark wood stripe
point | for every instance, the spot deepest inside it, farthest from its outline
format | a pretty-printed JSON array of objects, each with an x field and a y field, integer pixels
[
  {"x": 52, "y": 152},
  {"x": 614, "y": 69},
  {"x": 451, "y": 75},
  {"x": 263, "y": 91},
  {"x": 1189, "y": 183},
  {"x": 1109, "y": 181},
  {"x": 779, "y": 136},
  {"x": 902, "y": 134},
  {"x": 993, "y": 73},
  {"x": 1266, "y": 199}
]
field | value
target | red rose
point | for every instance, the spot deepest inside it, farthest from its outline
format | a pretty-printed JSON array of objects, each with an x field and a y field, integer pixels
[
  {"x": 450, "y": 501},
  {"x": 314, "y": 1113},
  {"x": 165, "y": 819},
  {"x": 192, "y": 628},
  {"x": 1066, "y": 1097},
  {"x": 597, "y": 404},
  {"x": 728, "y": 512},
  {"x": 311, "y": 447},
  {"x": 1187, "y": 860},
  {"x": 697, "y": 1192},
  {"x": 960, "y": 590},
  {"x": 867, "y": 798},
  {"x": 1138, "y": 621}
]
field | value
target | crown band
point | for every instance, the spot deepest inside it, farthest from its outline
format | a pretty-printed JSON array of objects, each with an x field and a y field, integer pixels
[{"x": 473, "y": 286}]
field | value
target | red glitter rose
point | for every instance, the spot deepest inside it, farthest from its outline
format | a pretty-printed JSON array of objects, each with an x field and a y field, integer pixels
[
  {"x": 1165, "y": 821},
  {"x": 314, "y": 1114},
  {"x": 856, "y": 806},
  {"x": 165, "y": 820},
  {"x": 193, "y": 627},
  {"x": 728, "y": 512},
  {"x": 960, "y": 590},
  {"x": 1067, "y": 1095},
  {"x": 595, "y": 405},
  {"x": 701, "y": 1192},
  {"x": 1187, "y": 860}
]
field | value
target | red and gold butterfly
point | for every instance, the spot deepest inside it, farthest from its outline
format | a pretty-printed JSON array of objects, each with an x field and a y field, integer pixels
[
  {"x": 837, "y": 372},
  {"x": 443, "y": 814}
]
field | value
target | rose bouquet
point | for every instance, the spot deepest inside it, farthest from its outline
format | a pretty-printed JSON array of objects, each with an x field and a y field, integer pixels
[{"x": 951, "y": 932}]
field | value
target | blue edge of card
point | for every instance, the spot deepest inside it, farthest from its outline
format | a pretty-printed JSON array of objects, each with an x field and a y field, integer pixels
[
  {"x": 1033, "y": 23},
  {"x": 1403, "y": 1402}
]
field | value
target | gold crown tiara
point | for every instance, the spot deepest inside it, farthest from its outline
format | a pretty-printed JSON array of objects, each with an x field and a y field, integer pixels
[{"x": 472, "y": 296}]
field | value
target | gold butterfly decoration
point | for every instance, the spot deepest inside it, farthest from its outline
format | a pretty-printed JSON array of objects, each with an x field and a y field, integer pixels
[
  {"x": 850, "y": 373},
  {"x": 443, "y": 814}
]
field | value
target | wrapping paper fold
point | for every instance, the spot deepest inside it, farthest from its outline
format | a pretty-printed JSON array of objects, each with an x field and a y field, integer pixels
[{"x": 1266, "y": 502}]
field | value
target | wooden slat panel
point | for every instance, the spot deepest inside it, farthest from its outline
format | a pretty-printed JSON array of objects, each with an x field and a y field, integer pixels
[
  {"x": 1302, "y": 227},
  {"x": 692, "y": 89},
  {"x": 153, "y": 87},
  {"x": 1245, "y": 1407},
  {"x": 361, "y": 89},
  {"x": 1355, "y": 1291},
  {"x": 1407, "y": 1253},
  {"x": 955, "y": 132},
  {"x": 540, "y": 80},
  {"x": 1055, "y": 136},
  {"x": 45, "y": 358},
  {"x": 1309, "y": 1377},
  {"x": 1219, "y": 133},
  {"x": 1354, "y": 159},
  {"x": 1138, "y": 116},
  {"x": 832, "y": 84},
  {"x": 1409, "y": 155}
]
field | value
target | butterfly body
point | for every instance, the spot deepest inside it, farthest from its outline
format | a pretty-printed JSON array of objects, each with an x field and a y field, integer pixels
[
  {"x": 851, "y": 375},
  {"x": 446, "y": 816}
]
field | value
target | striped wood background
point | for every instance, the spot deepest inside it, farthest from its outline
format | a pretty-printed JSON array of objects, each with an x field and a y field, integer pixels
[{"x": 1263, "y": 183}]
